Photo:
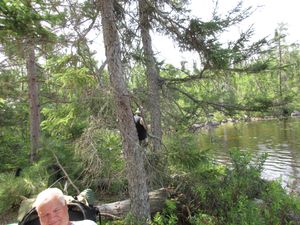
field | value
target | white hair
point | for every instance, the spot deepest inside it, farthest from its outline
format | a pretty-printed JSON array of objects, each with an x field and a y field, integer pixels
[{"x": 47, "y": 195}]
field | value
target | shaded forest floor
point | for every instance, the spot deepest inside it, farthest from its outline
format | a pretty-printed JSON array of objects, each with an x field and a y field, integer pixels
[{"x": 9, "y": 217}]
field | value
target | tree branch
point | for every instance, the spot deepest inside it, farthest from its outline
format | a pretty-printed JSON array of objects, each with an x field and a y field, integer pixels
[{"x": 66, "y": 174}]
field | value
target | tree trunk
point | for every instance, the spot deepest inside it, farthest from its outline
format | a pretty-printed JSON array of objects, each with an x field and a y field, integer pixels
[
  {"x": 117, "y": 210},
  {"x": 34, "y": 105},
  {"x": 136, "y": 175},
  {"x": 152, "y": 76}
]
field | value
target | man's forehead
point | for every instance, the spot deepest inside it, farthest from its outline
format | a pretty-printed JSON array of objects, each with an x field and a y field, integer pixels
[{"x": 54, "y": 201}]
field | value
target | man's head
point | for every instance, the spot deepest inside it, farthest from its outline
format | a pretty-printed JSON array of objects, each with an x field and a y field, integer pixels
[{"x": 52, "y": 208}]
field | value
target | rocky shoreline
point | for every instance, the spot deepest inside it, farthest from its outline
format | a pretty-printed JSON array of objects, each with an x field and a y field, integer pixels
[{"x": 212, "y": 124}]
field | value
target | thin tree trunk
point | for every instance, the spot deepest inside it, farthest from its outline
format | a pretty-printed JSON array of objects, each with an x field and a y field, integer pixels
[
  {"x": 280, "y": 64},
  {"x": 35, "y": 132},
  {"x": 152, "y": 76},
  {"x": 136, "y": 174}
]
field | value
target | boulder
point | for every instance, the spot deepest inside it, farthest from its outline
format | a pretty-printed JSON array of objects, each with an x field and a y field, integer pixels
[
  {"x": 295, "y": 113},
  {"x": 195, "y": 127}
]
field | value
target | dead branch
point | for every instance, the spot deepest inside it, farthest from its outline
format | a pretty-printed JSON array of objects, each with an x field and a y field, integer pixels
[{"x": 66, "y": 174}]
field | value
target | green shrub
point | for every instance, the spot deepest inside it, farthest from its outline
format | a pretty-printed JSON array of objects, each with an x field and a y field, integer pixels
[
  {"x": 184, "y": 154},
  {"x": 238, "y": 195},
  {"x": 14, "y": 148},
  {"x": 279, "y": 207},
  {"x": 100, "y": 153},
  {"x": 14, "y": 189},
  {"x": 168, "y": 216},
  {"x": 202, "y": 219},
  {"x": 233, "y": 194},
  {"x": 244, "y": 212}
]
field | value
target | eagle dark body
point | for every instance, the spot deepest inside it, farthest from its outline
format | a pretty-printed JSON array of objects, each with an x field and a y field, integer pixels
[{"x": 142, "y": 132}]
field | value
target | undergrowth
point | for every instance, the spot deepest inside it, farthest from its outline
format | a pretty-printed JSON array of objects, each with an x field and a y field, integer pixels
[{"x": 206, "y": 192}]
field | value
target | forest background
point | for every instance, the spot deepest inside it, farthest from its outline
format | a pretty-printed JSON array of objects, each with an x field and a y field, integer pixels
[{"x": 65, "y": 115}]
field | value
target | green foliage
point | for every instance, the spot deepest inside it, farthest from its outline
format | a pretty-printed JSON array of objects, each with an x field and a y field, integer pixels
[
  {"x": 14, "y": 189},
  {"x": 14, "y": 144},
  {"x": 100, "y": 151},
  {"x": 220, "y": 194},
  {"x": 253, "y": 88},
  {"x": 251, "y": 185},
  {"x": 233, "y": 196},
  {"x": 201, "y": 36},
  {"x": 245, "y": 212},
  {"x": 260, "y": 103},
  {"x": 202, "y": 219},
  {"x": 183, "y": 152},
  {"x": 64, "y": 152},
  {"x": 63, "y": 121},
  {"x": 71, "y": 85},
  {"x": 70, "y": 99},
  {"x": 19, "y": 18},
  {"x": 13, "y": 149},
  {"x": 279, "y": 207},
  {"x": 257, "y": 67},
  {"x": 168, "y": 216}
]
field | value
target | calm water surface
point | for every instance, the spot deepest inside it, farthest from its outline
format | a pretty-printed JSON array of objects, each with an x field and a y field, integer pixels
[{"x": 279, "y": 138}]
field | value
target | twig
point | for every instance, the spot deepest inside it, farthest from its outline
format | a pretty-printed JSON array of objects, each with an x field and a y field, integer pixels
[
  {"x": 113, "y": 217},
  {"x": 66, "y": 174}
]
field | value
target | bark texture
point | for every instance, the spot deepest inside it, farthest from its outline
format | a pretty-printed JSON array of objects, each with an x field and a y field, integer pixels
[
  {"x": 152, "y": 75},
  {"x": 136, "y": 175},
  {"x": 35, "y": 131},
  {"x": 117, "y": 210}
]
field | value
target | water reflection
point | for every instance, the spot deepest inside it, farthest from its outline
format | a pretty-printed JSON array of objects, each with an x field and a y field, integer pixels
[{"x": 280, "y": 139}]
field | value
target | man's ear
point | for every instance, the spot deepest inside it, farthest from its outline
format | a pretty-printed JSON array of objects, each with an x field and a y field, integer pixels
[{"x": 66, "y": 209}]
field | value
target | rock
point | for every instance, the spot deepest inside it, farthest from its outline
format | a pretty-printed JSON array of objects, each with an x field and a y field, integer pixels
[
  {"x": 212, "y": 123},
  {"x": 224, "y": 121},
  {"x": 295, "y": 113},
  {"x": 195, "y": 127},
  {"x": 233, "y": 120}
]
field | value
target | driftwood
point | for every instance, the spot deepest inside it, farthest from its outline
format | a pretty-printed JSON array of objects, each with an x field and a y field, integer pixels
[{"x": 117, "y": 210}]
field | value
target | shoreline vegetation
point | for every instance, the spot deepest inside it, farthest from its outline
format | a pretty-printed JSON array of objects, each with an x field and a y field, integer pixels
[
  {"x": 67, "y": 116},
  {"x": 210, "y": 123},
  {"x": 202, "y": 192}
]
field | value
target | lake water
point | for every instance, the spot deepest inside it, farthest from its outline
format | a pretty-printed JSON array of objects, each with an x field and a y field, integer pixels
[{"x": 279, "y": 138}]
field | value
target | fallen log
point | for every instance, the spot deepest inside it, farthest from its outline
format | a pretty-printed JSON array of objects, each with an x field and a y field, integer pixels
[{"x": 119, "y": 209}]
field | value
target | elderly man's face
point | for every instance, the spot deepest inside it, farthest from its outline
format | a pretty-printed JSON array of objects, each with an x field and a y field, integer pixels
[{"x": 53, "y": 213}]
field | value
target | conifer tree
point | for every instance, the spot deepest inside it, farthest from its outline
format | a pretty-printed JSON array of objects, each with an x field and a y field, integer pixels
[
  {"x": 136, "y": 175},
  {"x": 20, "y": 25}
]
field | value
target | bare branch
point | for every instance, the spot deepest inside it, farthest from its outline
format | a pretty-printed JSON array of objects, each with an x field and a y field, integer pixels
[{"x": 66, "y": 174}]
